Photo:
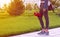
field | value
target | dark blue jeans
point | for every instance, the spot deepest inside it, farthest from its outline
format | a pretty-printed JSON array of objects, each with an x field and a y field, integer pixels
[{"x": 45, "y": 14}]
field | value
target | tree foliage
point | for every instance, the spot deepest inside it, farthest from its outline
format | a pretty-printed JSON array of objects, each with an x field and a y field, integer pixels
[
  {"x": 16, "y": 8},
  {"x": 28, "y": 6},
  {"x": 36, "y": 6},
  {"x": 56, "y": 3}
]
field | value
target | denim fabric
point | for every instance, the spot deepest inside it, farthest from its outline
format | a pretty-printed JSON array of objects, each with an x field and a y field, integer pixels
[
  {"x": 46, "y": 4},
  {"x": 45, "y": 14}
]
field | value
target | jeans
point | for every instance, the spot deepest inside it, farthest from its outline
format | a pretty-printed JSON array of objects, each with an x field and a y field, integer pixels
[{"x": 45, "y": 14}]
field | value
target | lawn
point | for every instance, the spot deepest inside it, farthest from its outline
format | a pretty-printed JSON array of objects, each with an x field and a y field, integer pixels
[{"x": 23, "y": 24}]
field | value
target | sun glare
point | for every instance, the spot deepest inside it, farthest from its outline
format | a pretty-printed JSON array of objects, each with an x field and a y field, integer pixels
[{"x": 2, "y": 2}]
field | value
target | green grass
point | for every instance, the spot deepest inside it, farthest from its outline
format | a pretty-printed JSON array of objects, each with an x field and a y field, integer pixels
[
  {"x": 18, "y": 24},
  {"x": 22, "y": 24},
  {"x": 54, "y": 20}
]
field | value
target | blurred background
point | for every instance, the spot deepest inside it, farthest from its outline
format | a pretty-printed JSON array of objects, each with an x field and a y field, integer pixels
[{"x": 17, "y": 16}]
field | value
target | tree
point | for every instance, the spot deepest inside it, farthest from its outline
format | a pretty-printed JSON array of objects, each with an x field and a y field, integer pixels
[
  {"x": 28, "y": 6},
  {"x": 56, "y": 3},
  {"x": 36, "y": 6},
  {"x": 16, "y": 8}
]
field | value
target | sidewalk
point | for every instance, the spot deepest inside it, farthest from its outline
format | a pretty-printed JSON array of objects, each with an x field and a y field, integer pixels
[{"x": 53, "y": 33}]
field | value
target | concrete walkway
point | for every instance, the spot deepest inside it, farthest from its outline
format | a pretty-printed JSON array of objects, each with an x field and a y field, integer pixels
[{"x": 52, "y": 33}]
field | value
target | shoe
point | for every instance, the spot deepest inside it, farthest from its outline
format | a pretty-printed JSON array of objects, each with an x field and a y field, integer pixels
[
  {"x": 46, "y": 33},
  {"x": 41, "y": 33}
]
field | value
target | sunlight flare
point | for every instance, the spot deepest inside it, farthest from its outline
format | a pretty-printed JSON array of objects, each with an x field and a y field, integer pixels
[{"x": 2, "y": 2}]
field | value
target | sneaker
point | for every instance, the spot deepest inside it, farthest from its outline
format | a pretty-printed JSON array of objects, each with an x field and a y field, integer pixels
[
  {"x": 46, "y": 33},
  {"x": 41, "y": 33}
]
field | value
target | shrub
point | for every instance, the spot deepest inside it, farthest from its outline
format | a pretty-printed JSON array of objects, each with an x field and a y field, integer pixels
[{"x": 16, "y": 8}]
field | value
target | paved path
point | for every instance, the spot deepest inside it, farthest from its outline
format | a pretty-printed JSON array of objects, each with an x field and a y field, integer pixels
[{"x": 53, "y": 33}]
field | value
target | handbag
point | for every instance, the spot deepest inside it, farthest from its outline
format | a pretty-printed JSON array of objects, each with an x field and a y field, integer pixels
[{"x": 37, "y": 14}]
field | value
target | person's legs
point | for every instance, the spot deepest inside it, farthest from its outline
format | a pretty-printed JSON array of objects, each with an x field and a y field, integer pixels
[
  {"x": 47, "y": 21},
  {"x": 41, "y": 20}
]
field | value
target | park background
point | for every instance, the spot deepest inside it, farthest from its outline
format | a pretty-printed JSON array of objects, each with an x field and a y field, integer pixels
[{"x": 17, "y": 16}]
